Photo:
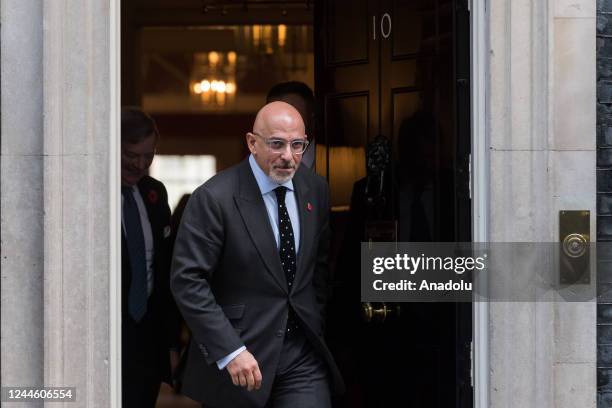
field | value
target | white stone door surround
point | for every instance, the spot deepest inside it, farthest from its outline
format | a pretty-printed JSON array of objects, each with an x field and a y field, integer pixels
[{"x": 533, "y": 124}]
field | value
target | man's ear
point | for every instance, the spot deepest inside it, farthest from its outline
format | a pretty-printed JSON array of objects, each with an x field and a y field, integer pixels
[{"x": 250, "y": 139}]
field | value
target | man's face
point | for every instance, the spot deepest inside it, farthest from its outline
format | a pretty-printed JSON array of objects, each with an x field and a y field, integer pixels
[
  {"x": 136, "y": 159},
  {"x": 280, "y": 166}
]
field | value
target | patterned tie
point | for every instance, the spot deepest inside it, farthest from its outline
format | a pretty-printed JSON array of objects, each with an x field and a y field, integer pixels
[
  {"x": 286, "y": 250},
  {"x": 137, "y": 297}
]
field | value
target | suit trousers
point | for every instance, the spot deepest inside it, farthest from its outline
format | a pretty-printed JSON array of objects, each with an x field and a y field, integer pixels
[
  {"x": 301, "y": 377},
  {"x": 141, "y": 377}
]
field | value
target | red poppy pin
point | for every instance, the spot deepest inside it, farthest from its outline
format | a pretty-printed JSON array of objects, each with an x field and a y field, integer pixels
[
  {"x": 309, "y": 207},
  {"x": 152, "y": 196}
]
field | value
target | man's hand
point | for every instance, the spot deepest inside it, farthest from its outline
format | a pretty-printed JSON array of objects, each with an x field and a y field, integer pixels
[{"x": 245, "y": 371}]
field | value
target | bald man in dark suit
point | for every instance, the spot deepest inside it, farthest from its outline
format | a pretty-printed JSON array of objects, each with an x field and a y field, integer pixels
[{"x": 250, "y": 276}]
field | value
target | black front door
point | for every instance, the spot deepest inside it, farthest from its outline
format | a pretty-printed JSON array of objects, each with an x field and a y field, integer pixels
[{"x": 400, "y": 69}]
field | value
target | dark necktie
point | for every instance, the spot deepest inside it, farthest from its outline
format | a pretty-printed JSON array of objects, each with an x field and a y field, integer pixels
[
  {"x": 137, "y": 297},
  {"x": 286, "y": 250}
]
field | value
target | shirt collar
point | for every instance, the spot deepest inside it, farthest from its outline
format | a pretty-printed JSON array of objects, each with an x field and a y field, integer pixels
[{"x": 264, "y": 182}]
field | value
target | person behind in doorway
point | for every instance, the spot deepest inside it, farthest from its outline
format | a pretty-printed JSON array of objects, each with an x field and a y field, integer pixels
[
  {"x": 250, "y": 276},
  {"x": 150, "y": 319},
  {"x": 300, "y": 96}
]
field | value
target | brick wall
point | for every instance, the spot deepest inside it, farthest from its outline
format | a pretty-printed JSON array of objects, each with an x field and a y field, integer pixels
[{"x": 604, "y": 199}]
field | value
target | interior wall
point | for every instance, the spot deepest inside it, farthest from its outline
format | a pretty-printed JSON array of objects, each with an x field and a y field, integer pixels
[
  {"x": 222, "y": 136},
  {"x": 188, "y": 129}
]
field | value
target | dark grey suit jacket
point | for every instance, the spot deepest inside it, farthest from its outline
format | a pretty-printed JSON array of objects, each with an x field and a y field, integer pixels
[{"x": 229, "y": 284}]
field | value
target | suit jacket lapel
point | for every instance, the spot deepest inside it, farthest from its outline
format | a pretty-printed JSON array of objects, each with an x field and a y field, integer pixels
[
  {"x": 255, "y": 217},
  {"x": 304, "y": 199}
]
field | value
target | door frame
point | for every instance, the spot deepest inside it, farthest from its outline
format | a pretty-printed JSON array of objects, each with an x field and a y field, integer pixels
[
  {"x": 479, "y": 187},
  {"x": 114, "y": 158}
]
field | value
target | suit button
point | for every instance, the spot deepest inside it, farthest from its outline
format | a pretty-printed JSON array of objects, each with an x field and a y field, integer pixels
[
  {"x": 203, "y": 350},
  {"x": 280, "y": 333}
]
